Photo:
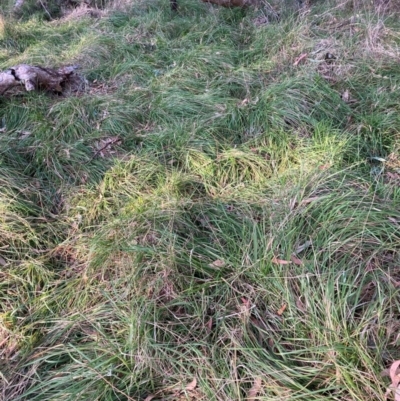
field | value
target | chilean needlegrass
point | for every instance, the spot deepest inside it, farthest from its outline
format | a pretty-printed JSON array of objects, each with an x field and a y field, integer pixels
[{"x": 206, "y": 206}]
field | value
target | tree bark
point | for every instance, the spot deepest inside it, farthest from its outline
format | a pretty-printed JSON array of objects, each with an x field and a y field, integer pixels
[{"x": 35, "y": 77}]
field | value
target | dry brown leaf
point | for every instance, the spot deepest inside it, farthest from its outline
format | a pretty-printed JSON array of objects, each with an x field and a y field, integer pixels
[
  {"x": 260, "y": 21},
  {"x": 192, "y": 385},
  {"x": 293, "y": 203},
  {"x": 277, "y": 261},
  {"x": 346, "y": 96},
  {"x": 309, "y": 200},
  {"x": 217, "y": 263},
  {"x": 301, "y": 247},
  {"x": 281, "y": 310},
  {"x": 296, "y": 260},
  {"x": 395, "y": 378},
  {"x": 246, "y": 302},
  {"x": 300, "y": 58},
  {"x": 257, "y": 322},
  {"x": 393, "y": 176},
  {"x": 269, "y": 244},
  {"x": 255, "y": 389},
  {"x": 104, "y": 147},
  {"x": 209, "y": 325},
  {"x": 24, "y": 134},
  {"x": 324, "y": 166},
  {"x": 149, "y": 397},
  {"x": 386, "y": 372},
  {"x": 300, "y": 305},
  {"x": 393, "y": 220}
]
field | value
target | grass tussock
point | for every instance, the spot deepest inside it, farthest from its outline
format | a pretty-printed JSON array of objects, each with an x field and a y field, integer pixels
[{"x": 213, "y": 214}]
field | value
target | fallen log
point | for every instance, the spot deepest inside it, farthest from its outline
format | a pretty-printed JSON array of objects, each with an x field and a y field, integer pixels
[{"x": 35, "y": 77}]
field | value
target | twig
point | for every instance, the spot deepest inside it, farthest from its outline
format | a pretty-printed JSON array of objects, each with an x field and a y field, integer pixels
[
  {"x": 45, "y": 9},
  {"x": 112, "y": 142}
]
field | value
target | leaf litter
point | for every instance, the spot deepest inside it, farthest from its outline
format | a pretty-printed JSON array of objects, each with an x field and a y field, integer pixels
[
  {"x": 394, "y": 373},
  {"x": 217, "y": 263},
  {"x": 255, "y": 389}
]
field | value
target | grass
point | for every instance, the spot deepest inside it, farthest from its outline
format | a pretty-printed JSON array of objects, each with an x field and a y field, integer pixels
[{"x": 205, "y": 208}]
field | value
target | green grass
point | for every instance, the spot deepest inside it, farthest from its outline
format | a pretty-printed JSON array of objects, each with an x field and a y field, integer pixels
[{"x": 243, "y": 224}]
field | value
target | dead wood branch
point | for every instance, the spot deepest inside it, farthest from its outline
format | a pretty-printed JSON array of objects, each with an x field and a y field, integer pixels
[{"x": 35, "y": 77}]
